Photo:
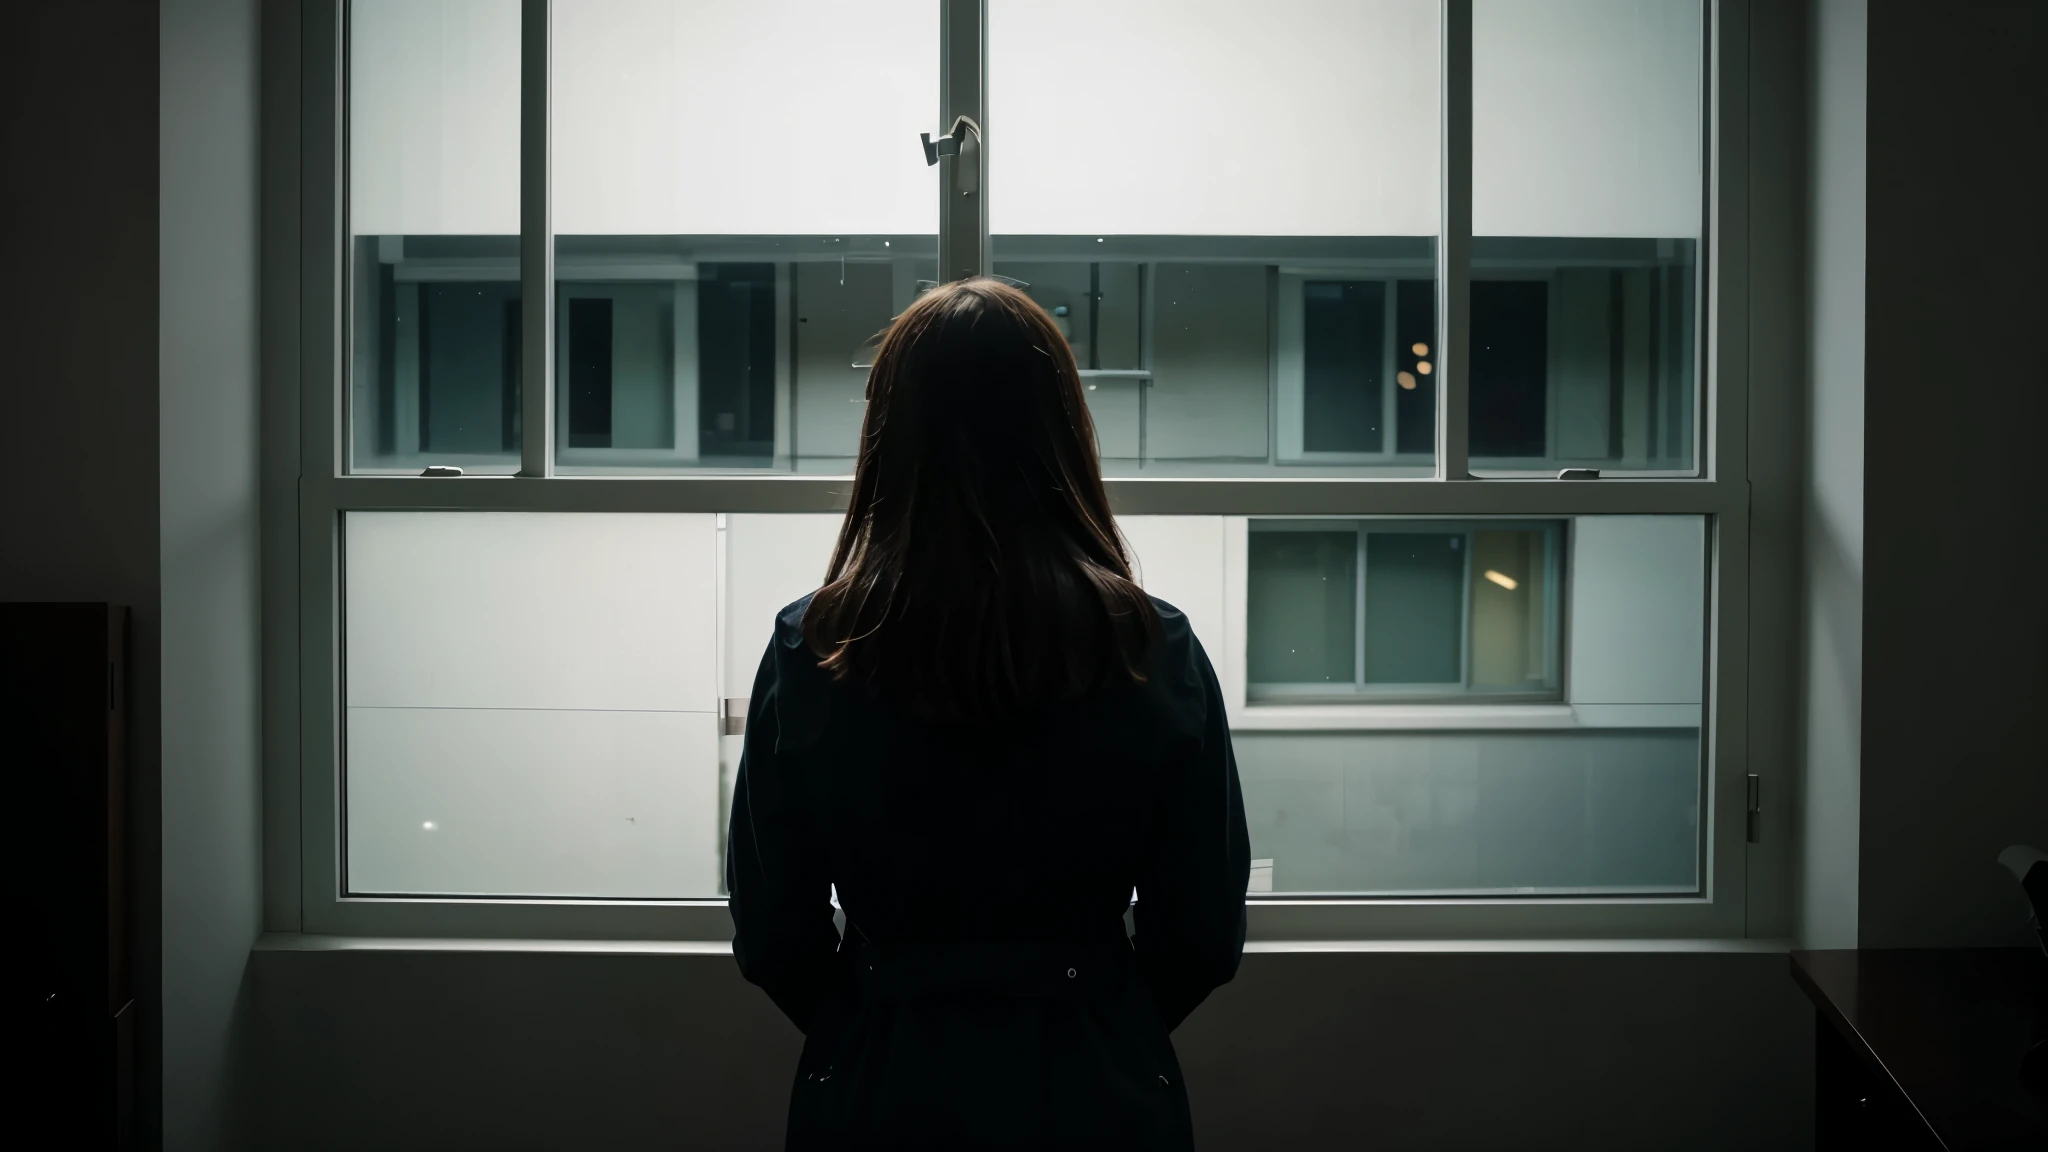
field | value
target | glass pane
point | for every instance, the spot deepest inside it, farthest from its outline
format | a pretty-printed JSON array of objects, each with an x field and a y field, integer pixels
[
  {"x": 1592, "y": 783},
  {"x": 1511, "y": 610},
  {"x": 579, "y": 753},
  {"x": 1303, "y": 608},
  {"x": 741, "y": 205},
  {"x": 433, "y": 258},
  {"x": 1414, "y": 607},
  {"x": 532, "y": 704},
  {"x": 1238, "y": 284},
  {"x": 1357, "y": 610},
  {"x": 1586, "y": 209}
]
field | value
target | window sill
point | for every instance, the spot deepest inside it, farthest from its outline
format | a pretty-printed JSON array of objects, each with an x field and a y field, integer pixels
[
  {"x": 1459, "y": 717},
  {"x": 298, "y": 942}
]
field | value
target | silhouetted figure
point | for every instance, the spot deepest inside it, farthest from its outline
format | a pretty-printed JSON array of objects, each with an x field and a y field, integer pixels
[{"x": 985, "y": 735}]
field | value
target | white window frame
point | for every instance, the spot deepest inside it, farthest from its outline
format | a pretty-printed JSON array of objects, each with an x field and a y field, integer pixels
[{"x": 308, "y": 489}]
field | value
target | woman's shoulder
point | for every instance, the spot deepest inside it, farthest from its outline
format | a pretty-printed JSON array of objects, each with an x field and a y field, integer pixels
[
  {"x": 789, "y": 622},
  {"x": 1176, "y": 633}
]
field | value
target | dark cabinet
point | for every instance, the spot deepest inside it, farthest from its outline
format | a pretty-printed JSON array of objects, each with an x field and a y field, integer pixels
[{"x": 63, "y": 726}]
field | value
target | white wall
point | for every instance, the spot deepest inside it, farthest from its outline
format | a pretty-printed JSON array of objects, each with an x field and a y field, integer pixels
[
  {"x": 1832, "y": 657},
  {"x": 1638, "y": 610},
  {"x": 208, "y": 452},
  {"x": 1291, "y": 117}
]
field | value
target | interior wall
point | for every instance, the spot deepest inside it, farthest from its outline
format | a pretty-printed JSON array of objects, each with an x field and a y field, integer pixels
[
  {"x": 515, "y": 1050},
  {"x": 1779, "y": 51},
  {"x": 209, "y": 455},
  {"x": 1955, "y": 766},
  {"x": 1831, "y": 693},
  {"x": 78, "y": 315}
]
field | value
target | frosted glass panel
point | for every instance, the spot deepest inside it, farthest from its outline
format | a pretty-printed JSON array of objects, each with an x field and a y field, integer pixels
[
  {"x": 531, "y": 704},
  {"x": 533, "y": 802},
  {"x": 1294, "y": 117},
  {"x": 1586, "y": 117},
  {"x": 530, "y": 609},
  {"x": 740, "y": 207},
  {"x": 1515, "y": 813}
]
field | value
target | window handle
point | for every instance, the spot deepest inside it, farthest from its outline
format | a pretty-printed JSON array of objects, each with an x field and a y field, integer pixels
[
  {"x": 962, "y": 142},
  {"x": 1579, "y": 474}
]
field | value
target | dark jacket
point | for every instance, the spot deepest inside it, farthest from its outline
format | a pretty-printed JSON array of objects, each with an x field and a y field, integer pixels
[{"x": 987, "y": 994}]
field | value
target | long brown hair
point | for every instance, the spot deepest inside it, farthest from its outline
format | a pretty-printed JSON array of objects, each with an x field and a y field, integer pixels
[{"x": 979, "y": 572}]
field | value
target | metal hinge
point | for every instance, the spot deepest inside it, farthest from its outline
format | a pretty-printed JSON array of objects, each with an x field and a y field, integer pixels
[
  {"x": 732, "y": 716},
  {"x": 1753, "y": 808}
]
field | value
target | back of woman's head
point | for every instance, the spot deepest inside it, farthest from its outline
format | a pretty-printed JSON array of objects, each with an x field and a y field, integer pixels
[{"x": 979, "y": 573}]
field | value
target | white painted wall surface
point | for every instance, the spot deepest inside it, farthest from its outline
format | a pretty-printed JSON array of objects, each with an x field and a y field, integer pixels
[
  {"x": 1637, "y": 618},
  {"x": 208, "y": 452},
  {"x": 1826, "y": 888}
]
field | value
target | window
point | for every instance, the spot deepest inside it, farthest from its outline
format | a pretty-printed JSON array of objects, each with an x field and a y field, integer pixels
[
  {"x": 1348, "y": 610},
  {"x": 1350, "y": 282}
]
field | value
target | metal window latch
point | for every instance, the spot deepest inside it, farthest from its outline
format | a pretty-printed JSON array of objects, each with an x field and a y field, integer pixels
[
  {"x": 1579, "y": 474},
  {"x": 1753, "y": 808},
  {"x": 442, "y": 470},
  {"x": 962, "y": 142}
]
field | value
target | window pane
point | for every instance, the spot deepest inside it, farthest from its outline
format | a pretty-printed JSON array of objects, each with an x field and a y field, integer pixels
[
  {"x": 1415, "y": 592},
  {"x": 1231, "y": 275},
  {"x": 531, "y": 705},
  {"x": 533, "y": 698},
  {"x": 1343, "y": 341},
  {"x": 1586, "y": 209},
  {"x": 1512, "y": 610},
  {"x": 1303, "y": 608},
  {"x": 741, "y": 183},
  {"x": 433, "y": 235},
  {"x": 1588, "y": 782},
  {"x": 1351, "y": 610}
]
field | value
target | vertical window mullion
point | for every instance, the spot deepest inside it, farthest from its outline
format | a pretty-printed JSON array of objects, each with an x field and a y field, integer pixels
[
  {"x": 536, "y": 243},
  {"x": 963, "y": 91},
  {"x": 1454, "y": 243}
]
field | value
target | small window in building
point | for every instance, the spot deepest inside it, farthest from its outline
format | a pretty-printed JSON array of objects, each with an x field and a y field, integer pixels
[{"x": 1358, "y": 609}]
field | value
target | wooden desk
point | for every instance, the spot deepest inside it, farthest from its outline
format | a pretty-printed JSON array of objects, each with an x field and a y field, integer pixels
[{"x": 1922, "y": 1049}]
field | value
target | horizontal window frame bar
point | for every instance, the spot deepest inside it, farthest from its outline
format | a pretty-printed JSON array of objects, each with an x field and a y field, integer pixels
[
  {"x": 1278, "y": 497},
  {"x": 1278, "y": 917}
]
